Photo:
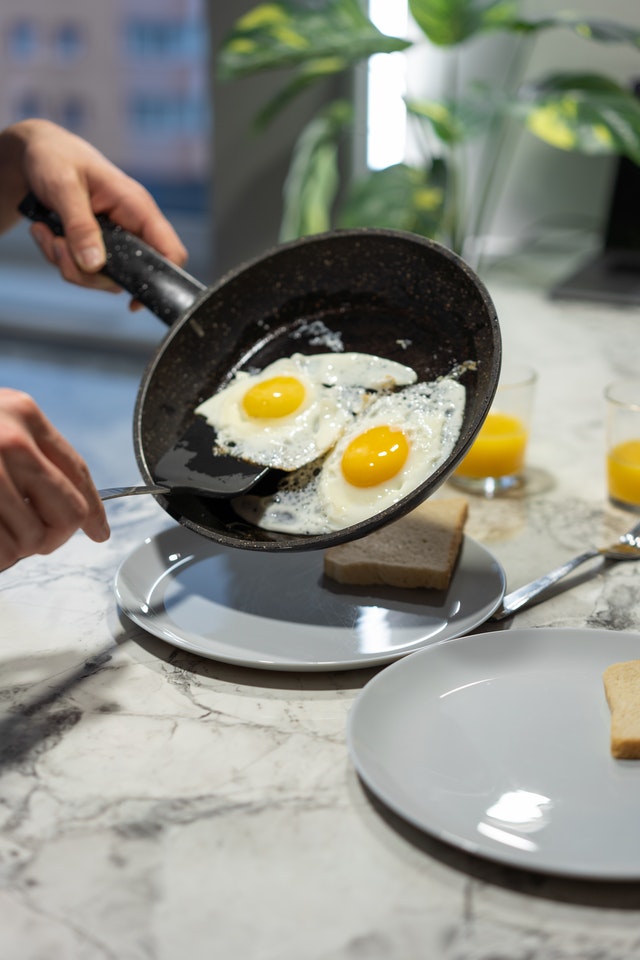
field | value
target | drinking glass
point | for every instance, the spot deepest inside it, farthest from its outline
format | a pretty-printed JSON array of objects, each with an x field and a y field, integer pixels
[
  {"x": 495, "y": 463},
  {"x": 622, "y": 400}
]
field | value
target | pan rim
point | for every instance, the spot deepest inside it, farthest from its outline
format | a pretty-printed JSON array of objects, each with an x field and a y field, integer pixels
[{"x": 299, "y": 542}]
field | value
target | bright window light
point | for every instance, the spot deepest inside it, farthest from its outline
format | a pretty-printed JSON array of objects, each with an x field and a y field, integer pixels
[{"x": 386, "y": 86}]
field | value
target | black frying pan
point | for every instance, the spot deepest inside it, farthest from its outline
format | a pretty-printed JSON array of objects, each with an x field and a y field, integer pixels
[{"x": 382, "y": 292}]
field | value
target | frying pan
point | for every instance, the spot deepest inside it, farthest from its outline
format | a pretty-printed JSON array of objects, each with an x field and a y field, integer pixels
[{"x": 383, "y": 292}]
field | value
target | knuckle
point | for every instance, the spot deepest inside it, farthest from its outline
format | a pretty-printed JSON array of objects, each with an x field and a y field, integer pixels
[
  {"x": 76, "y": 512},
  {"x": 20, "y": 421},
  {"x": 84, "y": 474},
  {"x": 13, "y": 439},
  {"x": 50, "y": 542},
  {"x": 18, "y": 402},
  {"x": 49, "y": 537}
]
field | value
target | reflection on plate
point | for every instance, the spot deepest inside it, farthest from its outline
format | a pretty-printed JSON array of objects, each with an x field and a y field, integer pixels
[
  {"x": 279, "y": 612},
  {"x": 498, "y": 743}
]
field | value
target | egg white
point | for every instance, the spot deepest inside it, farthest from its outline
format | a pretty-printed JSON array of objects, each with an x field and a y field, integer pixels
[
  {"x": 337, "y": 387},
  {"x": 318, "y": 499},
  {"x": 429, "y": 416}
]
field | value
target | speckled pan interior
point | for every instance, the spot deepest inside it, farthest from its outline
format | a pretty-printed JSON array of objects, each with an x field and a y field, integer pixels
[{"x": 391, "y": 294}]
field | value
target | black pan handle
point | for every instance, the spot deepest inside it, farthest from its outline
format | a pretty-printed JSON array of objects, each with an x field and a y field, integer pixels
[{"x": 167, "y": 290}]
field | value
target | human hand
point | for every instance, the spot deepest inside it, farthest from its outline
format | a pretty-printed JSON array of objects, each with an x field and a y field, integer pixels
[
  {"x": 46, "y": 492},
  {"x": 73, "y": 178}
]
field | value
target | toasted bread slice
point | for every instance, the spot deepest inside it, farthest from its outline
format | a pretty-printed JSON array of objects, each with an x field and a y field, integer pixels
[
  {"x": 622, "y": 689},
  {"x": 418, "y": 550}
]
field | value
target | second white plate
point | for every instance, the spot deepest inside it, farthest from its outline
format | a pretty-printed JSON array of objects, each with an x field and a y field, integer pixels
[
  {"x": 498, "y": 743},
  {"x": 277, "y": 611}
]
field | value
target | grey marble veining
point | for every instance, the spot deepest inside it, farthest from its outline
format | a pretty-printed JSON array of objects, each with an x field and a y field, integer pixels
[{"x": 156, "y": 806}]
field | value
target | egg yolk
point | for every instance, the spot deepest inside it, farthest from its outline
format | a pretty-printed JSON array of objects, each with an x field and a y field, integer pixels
[
  {"x": 276, "y": 397},
  {"x": 374, "y": 456}
]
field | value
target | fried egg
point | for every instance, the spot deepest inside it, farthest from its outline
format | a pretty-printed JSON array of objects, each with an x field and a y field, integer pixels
[
  {"x": 295, "y": 409},
  {"x": 397, "y": 442}
]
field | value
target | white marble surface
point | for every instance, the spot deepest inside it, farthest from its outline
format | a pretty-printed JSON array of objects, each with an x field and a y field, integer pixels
[{"x": 157, "y": 806}]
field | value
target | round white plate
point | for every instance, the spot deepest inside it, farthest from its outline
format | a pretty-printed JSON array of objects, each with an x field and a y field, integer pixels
[
  {"x": 498, "y": 743},
  {"x": 277, "y": 611}
]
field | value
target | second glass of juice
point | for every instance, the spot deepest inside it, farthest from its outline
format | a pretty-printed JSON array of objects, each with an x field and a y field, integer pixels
[
  {"x": 496, "y": 461},
  {"x": 623, "y": 443}
]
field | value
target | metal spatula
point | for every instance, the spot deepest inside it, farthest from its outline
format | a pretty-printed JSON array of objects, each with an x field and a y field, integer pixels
[{"x": 191, "y": 466}]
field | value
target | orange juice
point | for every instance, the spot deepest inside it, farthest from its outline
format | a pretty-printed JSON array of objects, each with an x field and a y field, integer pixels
[
  {"x": 623, "y": 471},
  {"x": 498, "y": 450}
]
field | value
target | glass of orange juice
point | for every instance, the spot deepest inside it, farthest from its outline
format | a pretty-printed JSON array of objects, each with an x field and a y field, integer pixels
[
  {"x": 496, "y": 461},
  {"x": 623, "y": 443}
]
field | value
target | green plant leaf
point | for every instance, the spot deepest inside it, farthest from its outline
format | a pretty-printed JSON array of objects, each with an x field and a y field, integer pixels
[
  {"x": 588, "y": 113},
  {"x": 291, "y": 32},
  {"x": 399, "y": 197},
  {"x": 313, "y": 179},
  {"x": 449, "y": 22},
  {"x": 304, "y": 76},
  {"x": 455, "y": 121},
  {"x": 602, "y": 31}
]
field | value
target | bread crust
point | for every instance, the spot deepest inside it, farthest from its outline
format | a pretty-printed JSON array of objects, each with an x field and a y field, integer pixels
[{"x": 622, "y": 690}]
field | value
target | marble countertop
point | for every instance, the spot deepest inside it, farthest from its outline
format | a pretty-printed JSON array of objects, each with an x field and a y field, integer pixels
[{"x": 156, "y": 805}]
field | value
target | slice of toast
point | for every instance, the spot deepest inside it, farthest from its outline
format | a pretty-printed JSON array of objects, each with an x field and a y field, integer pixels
[
  {"x": 418, "y": 550},
  {"x": 622, "y": 689}
]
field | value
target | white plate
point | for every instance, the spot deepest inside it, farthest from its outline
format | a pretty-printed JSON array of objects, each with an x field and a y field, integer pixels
[
  {"x": 498, "y": 743},
  {"x": 276, "y": 611}
]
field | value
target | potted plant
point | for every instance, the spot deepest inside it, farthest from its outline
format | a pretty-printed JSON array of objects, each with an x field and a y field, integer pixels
[{"x": 574, "y": 111}]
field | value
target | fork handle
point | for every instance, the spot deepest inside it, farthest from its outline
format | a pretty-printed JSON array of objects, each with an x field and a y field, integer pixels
[
  {"x": 111, "y": 493},
  {"x": 524, "y": 595}
]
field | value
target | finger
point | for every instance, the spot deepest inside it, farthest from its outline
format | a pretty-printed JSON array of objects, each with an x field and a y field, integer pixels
[
  {"x": 61, "y": 508},
  {"x": 44, "y": 239},
  {"x": 22, "y": 532},
  {"x": 73, "y": 481},
  {"x": 56, "y": 251},
  {"x": 64, "y": 261},
  {"x": 81, "y": 229},
  {"x": 159, "y": 233},
  {"x": 136, "y": 211},
  {"x": 52, "y": 475},
  {"x": 40, "y": 508}
]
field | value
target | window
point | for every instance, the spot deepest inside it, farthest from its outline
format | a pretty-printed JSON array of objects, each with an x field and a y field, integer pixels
[
  {"x": 68, "y": 41},
  {"x": 73, "y": 114},
  {"x": 157, "y": 114},
  {"x": 386, "y": 110},
  {"x": 29, "y": 104},
  {"x": 22, "y": 40},
  {"x": 165, "y": 38}
]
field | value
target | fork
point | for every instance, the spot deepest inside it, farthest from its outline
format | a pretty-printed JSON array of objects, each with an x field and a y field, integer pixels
[{"x": 626, "y": 547}]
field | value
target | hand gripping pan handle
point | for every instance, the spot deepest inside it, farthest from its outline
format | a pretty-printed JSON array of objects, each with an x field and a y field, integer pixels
[{"x": 131, "y": 263}]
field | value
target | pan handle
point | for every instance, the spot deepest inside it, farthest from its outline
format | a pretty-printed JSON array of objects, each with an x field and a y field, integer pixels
[{"x": 167, "y": 290}]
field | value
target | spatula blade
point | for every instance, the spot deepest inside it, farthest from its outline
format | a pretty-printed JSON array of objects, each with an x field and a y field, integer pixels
[{"x": 192, "y": 461}]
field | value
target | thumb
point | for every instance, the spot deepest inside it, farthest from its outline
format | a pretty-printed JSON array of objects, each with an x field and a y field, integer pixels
[{"x": 83, "y": 235}]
